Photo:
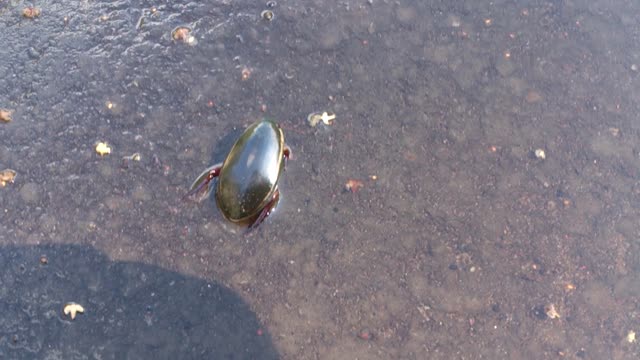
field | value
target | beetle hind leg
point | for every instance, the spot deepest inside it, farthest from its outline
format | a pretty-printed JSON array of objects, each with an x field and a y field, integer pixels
[
  {"x": 266, "y": 211},
  {"x": 201, "y": 187}
]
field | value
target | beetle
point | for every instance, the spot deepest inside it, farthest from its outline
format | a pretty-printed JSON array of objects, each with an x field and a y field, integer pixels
[{"x": 247, "y": 180}]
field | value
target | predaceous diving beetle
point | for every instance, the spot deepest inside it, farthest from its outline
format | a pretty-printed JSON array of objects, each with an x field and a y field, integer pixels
[{"x": 247, "y": 187}]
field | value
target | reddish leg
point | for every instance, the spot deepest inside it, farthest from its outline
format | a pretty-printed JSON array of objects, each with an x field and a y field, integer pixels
[
  {"x": 201, "y": 187},
  {"x": 287, "y": 155},
  {"x": 265, "y": 211}
]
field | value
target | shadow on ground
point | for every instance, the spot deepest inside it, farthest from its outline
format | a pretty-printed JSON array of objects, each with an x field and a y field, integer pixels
[{"x": 132, "y": 310}]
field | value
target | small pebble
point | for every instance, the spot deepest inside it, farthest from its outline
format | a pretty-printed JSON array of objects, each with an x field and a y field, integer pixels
[{"x": 540, "y": 154}]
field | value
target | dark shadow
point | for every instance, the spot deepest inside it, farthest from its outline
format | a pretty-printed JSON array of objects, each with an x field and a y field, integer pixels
[
  {"x": 132, "y": 310},
  {"x": 223, "y": 146}
]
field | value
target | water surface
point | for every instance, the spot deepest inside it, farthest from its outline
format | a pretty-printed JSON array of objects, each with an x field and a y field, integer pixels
[{"x": 456, "y": 245}]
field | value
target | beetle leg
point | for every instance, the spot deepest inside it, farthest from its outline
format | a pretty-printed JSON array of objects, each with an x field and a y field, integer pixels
[
  {"x": 201, "y": 187},
  {"x": 287, "y": 155},
  {"x": 266, "y": 211}
]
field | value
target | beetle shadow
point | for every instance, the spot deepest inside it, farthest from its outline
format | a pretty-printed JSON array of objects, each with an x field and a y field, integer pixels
[
  {"x": 131, "y": 310},
  {"x": 224, "y": 145},
  {"x": 217, "y": 156}
]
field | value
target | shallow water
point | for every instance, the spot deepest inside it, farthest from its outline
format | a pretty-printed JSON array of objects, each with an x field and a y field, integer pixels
[{"x": 455, "y": 246}]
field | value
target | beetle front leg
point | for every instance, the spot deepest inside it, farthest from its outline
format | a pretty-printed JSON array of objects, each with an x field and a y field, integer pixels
[
  {"x": 286, "y": 153},
  {"x": 201, "y": 187},
  {"x": 266, "y": 211}
]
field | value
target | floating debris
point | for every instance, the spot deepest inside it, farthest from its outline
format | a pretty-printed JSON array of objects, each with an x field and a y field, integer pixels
[
  {"x": 353, "y": 185},
  {"x": 72, "y": 309},
  {"x": 267, "y": 15},
  {"x": 127, "y": 159},
  {"x": 570, "y": 287},
  {"x": 631, "y": 337},
  {"x": 326, "y": 117},
  {"x": 533, "y": 97},
  {"x": 246, "y": 73},
  {"x": 102, "y": 148},
  {"x": 540, "y": 154},
  {"x": 133, "y": 157},
  {"x": 31, "y": 12},
  {"x": 7, "y": 176},
  {"x": 365, "y": 334},
  {"x": 183, "y": 34},
  {"x": 5, "y": 115},
  {"x": 454, "y": 21},
  {"x": 551, "y": 312}
]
